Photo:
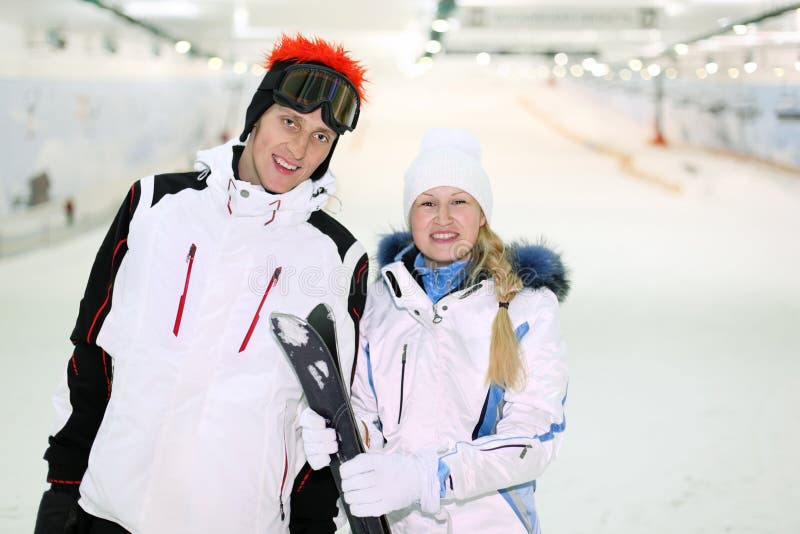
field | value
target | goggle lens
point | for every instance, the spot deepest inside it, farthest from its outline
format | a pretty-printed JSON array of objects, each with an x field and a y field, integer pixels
[{"x": 309, "y": 87}]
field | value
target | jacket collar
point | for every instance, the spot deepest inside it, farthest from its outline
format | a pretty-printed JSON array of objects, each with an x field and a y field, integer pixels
[
  {"x": 243, "y": 199},
  {"x": 536, "y": 264}
]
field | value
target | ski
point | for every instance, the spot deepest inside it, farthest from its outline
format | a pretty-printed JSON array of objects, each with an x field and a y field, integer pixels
[{"x": 310, "y": 345}]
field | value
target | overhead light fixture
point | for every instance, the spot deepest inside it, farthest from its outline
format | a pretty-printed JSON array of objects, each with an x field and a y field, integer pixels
[
  {"x": 654, "y": 69},
  {"x": 433, "y": 46},
  {"x": 681, "y": 49},
  {"x": 701, "y": 73},
  {"x": 559, "y": 71},
  {"x": 483, "y": 58},
  {"x": 733, "y": 72},
  {"x": 711, "y": 66},
  {"x": 561, "y": 59},
  {"x": 635, "y": 65},
  {"x": 440, "y": 25},
  {"x": 739, "y": 29},
  {"x": 778, "y": 71},
  {"x": 240, "y": 67},
  {"x": 625, "y": 74},
  {"x": 183, "y": 47},
  {"x": 588, "y": 63},
  {"x": 600, "y": 69},
  {"x": 673, "y": 9},
  {"x": 576, "y": 70},
  {"x": 215, "y": 63},
  {"x": 750, "y": 65}
]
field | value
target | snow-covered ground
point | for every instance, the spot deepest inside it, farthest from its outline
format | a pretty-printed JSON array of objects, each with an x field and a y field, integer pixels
[{"x": 682, "y": 324}]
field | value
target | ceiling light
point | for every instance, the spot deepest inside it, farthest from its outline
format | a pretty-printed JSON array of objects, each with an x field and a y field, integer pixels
[
  {"x": 215, "y": 63},
  {"x": 733, "y": 72},
  {"x": 561, "y": 59},
  {"x": 182, "y": 47},
  {"x": 750, "y": 67},
  {"x": 240, "y": 67},
  {"x": 701, "y": 73},
  {"x": 600, "y": 69},
  {"x": 644, "y": 74},
  {"x": 797, "y": 65},
  {"x": 576, "y": 71},
  {"x": 559, "y": 71},
  {"x": 483, "y": 58},
  {"x": 681, "y": 49},
  {"x": 440, "y": 25},
  {"x": 740, "y": 29},
  {"x": 635, "y": 65},
  {"x": 779, "y": 72},
  {"x": 654, "y": 69},
  {"x": 712, "y": 67},
  {"x": 625, "y": 74},
  {"x": 588, "y": 63},
  {"x": 673, "y": 9},
  {"x": 433, "y": 46}
]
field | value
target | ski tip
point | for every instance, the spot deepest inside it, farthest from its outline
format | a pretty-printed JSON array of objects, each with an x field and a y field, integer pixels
[{"x": 290, "y": 329}]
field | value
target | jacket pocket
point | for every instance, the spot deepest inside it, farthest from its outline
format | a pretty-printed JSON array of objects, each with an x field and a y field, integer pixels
[
  {"x": 285, "y": 473},
  {"x": 402, "y": 380},
  {"x": 182, "y": 302},
  {"x": 273, "y": 280}
]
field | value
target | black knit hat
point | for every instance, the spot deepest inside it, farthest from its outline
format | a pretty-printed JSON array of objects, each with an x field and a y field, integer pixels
[{"x": 261, "y": 102}]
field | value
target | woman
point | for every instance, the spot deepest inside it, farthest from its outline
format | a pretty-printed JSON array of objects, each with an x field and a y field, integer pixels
[{"x": 461, "y": 378}]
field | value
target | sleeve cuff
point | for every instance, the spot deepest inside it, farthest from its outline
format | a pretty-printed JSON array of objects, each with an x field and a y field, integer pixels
[{"x": 444, "y": 478}]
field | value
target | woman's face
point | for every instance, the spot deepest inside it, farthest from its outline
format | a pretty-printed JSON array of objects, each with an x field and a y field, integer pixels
[{"x": 444, "y": 223}]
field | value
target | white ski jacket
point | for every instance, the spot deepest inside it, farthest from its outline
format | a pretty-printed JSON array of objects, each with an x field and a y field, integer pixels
[
  {"x": 200, "y": 434},
  {"x": 421, "y": 376}
]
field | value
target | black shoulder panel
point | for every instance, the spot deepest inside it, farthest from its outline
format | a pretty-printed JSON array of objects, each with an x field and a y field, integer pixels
[
  {"x": 333, "y": 229},
  {"x": 169, "y": 184}
]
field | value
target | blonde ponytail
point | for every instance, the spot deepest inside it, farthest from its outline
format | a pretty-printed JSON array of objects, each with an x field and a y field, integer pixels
[{"x": 506, "y": 368}]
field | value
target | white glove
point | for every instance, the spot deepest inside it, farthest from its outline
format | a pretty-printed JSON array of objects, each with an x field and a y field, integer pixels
[
  {"x": 375, "y": 484},
  {"x": 319, "y": 442}
]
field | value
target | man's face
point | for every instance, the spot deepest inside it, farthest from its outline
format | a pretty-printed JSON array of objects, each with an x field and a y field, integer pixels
[{"x": 285, "y": 148}]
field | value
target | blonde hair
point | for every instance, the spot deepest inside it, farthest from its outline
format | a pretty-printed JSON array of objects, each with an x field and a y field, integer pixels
[{"x": 490, "y": 258}]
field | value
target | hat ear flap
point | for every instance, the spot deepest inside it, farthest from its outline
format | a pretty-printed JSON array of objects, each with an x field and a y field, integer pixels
[{"x": 323, "y": 167}]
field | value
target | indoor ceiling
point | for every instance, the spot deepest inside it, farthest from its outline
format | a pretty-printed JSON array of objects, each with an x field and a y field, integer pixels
[{"x": 392, "y": 29}]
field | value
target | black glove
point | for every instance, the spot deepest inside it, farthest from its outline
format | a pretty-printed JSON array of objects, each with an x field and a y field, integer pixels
[{"x": 58, "y": 512}]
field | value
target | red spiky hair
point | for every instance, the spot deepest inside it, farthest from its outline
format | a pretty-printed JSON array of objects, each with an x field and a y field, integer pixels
[{"x": 301, "y": 49}]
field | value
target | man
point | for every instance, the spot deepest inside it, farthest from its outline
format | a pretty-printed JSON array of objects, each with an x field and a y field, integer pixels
[{"x": 183, "y": 415}]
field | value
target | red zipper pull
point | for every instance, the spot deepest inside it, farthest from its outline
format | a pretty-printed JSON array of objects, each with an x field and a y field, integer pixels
[
  {"x": 179, "y": 315},
  {"x": 257, "y": 315}
]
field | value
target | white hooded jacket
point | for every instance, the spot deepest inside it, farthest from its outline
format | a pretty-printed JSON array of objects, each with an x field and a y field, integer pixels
[
  {"x": 200, "y": 432},
  {"x": 421, "y": 378}
]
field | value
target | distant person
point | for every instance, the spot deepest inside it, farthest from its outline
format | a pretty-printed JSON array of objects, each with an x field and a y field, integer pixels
[
  {"x": 182, "y": 414},
  {"x": 461, "y": 378},
  {"x": 69, "y": 211}
]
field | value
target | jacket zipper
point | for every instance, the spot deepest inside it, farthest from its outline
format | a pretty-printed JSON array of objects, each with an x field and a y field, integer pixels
[
  {"x": 402, "y": 380},
  {"x": 182, "y": 303},
  {"x": 285, "y": 472},
  {"x": 257, "y": 315}
]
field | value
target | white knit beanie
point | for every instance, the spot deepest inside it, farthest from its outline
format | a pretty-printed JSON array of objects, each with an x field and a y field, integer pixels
[{"x": 451, "y": 157}]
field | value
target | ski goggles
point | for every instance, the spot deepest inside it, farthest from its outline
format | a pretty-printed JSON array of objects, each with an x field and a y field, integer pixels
[{"x": 305, "y": 87}]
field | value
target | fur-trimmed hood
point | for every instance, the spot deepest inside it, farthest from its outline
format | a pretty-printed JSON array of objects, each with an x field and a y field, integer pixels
[{"x": 536, "y": 264}]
